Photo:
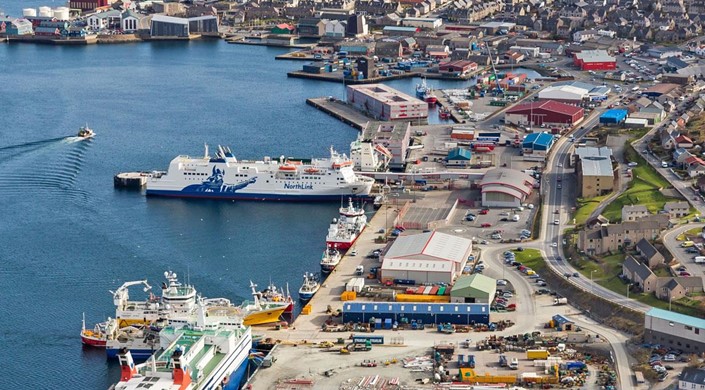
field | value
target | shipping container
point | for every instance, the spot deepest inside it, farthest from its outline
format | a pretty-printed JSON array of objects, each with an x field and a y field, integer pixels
[
  {"x": 361, "y": 338},
  {"x": 533, "y": 354}
]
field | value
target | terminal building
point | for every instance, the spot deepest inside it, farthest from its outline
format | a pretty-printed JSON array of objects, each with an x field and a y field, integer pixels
[
  {"x": 502, "y": 187},
  {"x": 431, "y": 257},
  {"x": 674, "y": 330},
  {"x": 386, "y": 104}
]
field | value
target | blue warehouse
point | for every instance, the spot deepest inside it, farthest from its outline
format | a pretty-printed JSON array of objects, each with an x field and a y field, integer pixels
[
  {"x": 535, "y": 146},
  {"x": 613, "y": 117},
  {"x": 428, "y": 313}
]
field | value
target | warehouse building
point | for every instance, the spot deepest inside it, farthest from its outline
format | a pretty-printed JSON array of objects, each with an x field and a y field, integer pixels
[
  {"x": 168, "y": 27},
  {"x": 594, "y": 60},
  {"x": 595, "y": 172},
  {"x": 393, "y": 137},
  {"x": 476, "y": 288},
  {"x": 565, "y": 94},
  {"x": 384, "y": 103},
  {"x": 458, "y": 157},
  {"x": 429, "y": 23},
  {"x": 426, "y": 313},
  {"x": 613, "y": 117},
  {"x": 546, "y": 112},
  {"x": 206, "y": 24},
  {"x": 502, "y": 187},
  {"x": 535, "y": 146},
  {"x": 431, "y": 257},
  {"x": 674, "y": 330}
]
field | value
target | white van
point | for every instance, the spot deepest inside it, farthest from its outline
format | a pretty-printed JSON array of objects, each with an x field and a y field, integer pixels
[
  {"x": 699, "y": 259},
  {"x": 664, "y": 164},
  {"x": 515, "y": 218}
]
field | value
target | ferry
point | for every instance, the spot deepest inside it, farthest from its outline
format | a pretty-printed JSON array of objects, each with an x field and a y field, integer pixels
[
  {"x": 222, "y": 176},
  {"x": 330, "y": 260},
  {"x": 309, "y": 287},
  {"x": 344, "y": 231},
  {"x": 205, "y": 356}
]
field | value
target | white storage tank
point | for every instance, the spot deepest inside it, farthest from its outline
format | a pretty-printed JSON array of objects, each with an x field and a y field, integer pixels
[
  {"x": 29, "y": 12},
  {"x": 45, "y": 12},
  {"x": 61, "y": 13}
]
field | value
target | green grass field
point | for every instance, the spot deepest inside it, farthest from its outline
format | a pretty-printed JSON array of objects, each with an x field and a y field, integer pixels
[
  {"x": 531, "y": 258},
  {"x": 586, "y": 207},
  {"x": 643, "y": 189}
]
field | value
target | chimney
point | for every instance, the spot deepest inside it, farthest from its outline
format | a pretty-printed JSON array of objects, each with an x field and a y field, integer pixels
[
  {"x": 127, "y": 365},
  {"x": 181, "y": 375}
]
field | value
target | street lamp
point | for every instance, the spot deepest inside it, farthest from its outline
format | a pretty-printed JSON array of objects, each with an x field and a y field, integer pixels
[
  {"x": 629, "y": 286},
  {"x": 592, "y": 283}
]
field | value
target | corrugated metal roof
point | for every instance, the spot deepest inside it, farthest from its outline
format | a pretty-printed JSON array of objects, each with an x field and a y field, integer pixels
[
  {"x": 430, "y": 246},
  {"x": 676, "y": 318},
  {"x": 472, "y": 284},
  {"x": 591, "y": 151},
  {"x": 417, "y": 265},
  {"x": 504, "y": 177},
  {"x": 595, "y": 56},
  {"x": 542, "y": 139},
  {"x": 597, "y": 166},
  {"x": 548, "y": 105},
  {"x": 419, "y": 308},
  {"x": 169, "y": 19},
  {"x": 615, "y": 114},
  {"x": 459, "y": 154}
]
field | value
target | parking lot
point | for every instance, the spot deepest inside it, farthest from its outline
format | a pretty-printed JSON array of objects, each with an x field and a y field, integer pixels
[{"x": 496, "y": 225}]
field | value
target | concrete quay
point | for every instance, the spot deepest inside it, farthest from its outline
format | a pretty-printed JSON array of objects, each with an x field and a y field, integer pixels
[
  {"x": 337, "y": 77},
  {"x": 341, "y": 111}
]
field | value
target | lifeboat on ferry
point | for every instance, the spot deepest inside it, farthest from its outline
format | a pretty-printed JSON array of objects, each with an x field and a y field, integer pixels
[
  {"x": 311, "y": 170},
  {"x": 342, "y": 164},
  {"x": 287, "y": 168}
]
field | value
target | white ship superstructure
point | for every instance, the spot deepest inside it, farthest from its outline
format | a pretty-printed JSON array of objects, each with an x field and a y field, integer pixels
[{"x": 224, "y": 177}]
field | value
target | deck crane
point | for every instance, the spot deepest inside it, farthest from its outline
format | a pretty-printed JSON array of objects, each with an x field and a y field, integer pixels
[
  {"x": 498, "y": 90},
  {"x": 121, "y": 296}
]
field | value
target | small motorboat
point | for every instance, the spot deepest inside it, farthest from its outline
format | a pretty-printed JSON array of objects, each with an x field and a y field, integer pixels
[
  {"x": 310, "y": 286},
  {"x": 85, "y": 132}
]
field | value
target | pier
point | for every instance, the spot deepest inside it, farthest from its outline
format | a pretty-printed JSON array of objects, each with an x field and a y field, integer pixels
[
  {"x": 337, "y": 77},
  {"x": 341, "y": 111},
  {"x": 133, "y": 180}
]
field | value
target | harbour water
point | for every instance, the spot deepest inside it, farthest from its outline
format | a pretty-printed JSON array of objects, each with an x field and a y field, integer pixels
[{"x": 67, "y": 236}]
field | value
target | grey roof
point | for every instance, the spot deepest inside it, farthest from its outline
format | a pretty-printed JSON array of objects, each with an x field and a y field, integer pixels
[
  {"x": 638, "y": 268},
  {"x": 645, "y": 247},
  {"x": 591, "y": 151},
  {"x": 693, "y": 375},
  {"x": 690, "y": 281},
  {"x": 639, "y": 208},
  {"x": 597, "y": 166},
  {"x": 671, "y": 285},
  {"x": 430, "y": 246},
  {"x": 676, "y": 206},
  {"x": 508, "y": 177}
]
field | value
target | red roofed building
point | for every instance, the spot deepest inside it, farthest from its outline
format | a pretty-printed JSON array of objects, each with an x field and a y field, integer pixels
[
  {"x": 283, "y": 28},
  {"x": 458, "y": 67},
  {"x": 594, "y": 60},
  {"x": 547, "y": 112},
  {"x": 683, "y": 142}
]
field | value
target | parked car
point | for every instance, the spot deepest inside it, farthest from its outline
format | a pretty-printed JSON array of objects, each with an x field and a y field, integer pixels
[
  {"x": 501, "y": 282},
  {"x": 486, "y": 225}
]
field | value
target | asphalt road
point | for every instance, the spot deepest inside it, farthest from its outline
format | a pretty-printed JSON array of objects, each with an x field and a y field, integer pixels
[
  {"x": 558, "y": 199},
  {"x": 686, "y": 259}
]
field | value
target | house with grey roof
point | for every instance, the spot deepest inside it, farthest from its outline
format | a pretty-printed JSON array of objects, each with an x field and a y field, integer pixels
[
  {"x": 639, "y": 274},
  {"x": 651, "y": 256},
  {"x": 692, "y": 378},
  {"x": 634, "y": 212},
  {"x": 676, "y": 209}
]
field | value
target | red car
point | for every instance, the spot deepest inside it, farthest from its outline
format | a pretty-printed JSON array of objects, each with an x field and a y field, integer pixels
[
  {"x": 684, "y": 274},
  {"x": 484, "y": 225},
  {"x": 484, "y": 211}
]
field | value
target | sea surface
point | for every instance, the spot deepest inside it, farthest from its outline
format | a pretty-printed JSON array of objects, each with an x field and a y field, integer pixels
[{"x": 67, "y": 236}]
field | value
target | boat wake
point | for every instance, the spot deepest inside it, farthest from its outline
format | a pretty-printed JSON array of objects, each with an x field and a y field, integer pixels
[{"x": 48, "y": 167}]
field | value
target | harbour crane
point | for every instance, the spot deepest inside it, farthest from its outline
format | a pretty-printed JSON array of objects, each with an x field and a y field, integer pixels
[{"x": 498, "y": 90}]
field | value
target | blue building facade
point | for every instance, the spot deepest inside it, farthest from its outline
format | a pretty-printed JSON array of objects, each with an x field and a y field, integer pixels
[
  {"x": 613, "y": 117},
  {"x": 428, "y": 313},
  {"x": 538, "y": 142}
]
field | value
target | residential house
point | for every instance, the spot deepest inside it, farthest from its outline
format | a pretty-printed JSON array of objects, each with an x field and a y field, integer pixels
[
  {"x": 670, "y": 291},
  {"x": 696, "y": 167},
  {"x": 639, "y": 274},
  {"x": 105, "y": 20},
  {"x": 677, "y": 209},
  {"x": 674, "y": 288},
  {"x": 692, "y": 378},
  {"x": 334, "y": 28},
  {"x": 599, "y": 239},
  {"x": 634, "y": 213},
  {"x": 651, "y": 256},
  {"x": 683, "y": 141}
]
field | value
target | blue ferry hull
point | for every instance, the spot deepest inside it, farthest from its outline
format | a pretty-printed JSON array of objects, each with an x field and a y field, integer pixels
[
  {"x": 137, "y": 354},
  {"x": 245, "y": 196}
]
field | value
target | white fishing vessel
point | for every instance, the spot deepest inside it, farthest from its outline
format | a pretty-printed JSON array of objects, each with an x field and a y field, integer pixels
[
  {"x": 330, "y": 259},
  {"x": 222, "y": 176},
  {"x": 309, "y": 287},
  {"x": 344, "y": 230}
]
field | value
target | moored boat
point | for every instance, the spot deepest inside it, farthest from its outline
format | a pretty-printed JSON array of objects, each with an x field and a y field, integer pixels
[
  {"x": 273, "y": 294},
  {"x": 330, "y": 259},
  {"x": 430, "y": 97},
  {"x": 344, "y": 231},
  {"x": 309, "y": 287},
  {"x": 222, "y": 176}
]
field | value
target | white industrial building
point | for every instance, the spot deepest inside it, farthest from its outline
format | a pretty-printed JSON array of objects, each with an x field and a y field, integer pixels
[
  {"x": 674, "y": 330},
  {"x": 502, "y": 187},
  {"x": 385, "y": 103},
  {"x": 564, "y": 93},
  {"x": 430, "y": 257}
]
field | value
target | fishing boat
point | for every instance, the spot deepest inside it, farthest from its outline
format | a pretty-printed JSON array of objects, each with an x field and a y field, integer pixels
[
  {"x": 98, "y": 336},
  {"x": 430, "y": 97},
  {"x": 259, "y": 312},
  {"x": 309, "y": 287},
  {"x": 330, "y": 259},
  {"x": 205, "y": 356},
  {"x": 222, "y": 176},
  {"x": 85, "y": 132},
  {"x": 421, "y": 89},
  {"x": 444, "y": 113},
  {"x": 344, "y": 230},
  {"x": 274, "y": 294}
]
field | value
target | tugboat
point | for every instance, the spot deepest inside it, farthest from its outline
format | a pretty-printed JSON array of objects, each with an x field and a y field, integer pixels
[
  {"x": 310, "y": 286},
  {"x": 85, "y": 132},
  {"x": 330, "y": 259}
]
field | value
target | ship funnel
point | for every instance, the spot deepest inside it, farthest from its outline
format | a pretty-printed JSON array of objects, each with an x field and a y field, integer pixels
[
  {"x": 180, "y": 373},
  {"x": 127, "y": 365}
]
